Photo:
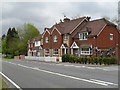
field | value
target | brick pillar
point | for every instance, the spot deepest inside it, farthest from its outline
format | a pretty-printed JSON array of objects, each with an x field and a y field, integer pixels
[{"x": 118, "y": 54}]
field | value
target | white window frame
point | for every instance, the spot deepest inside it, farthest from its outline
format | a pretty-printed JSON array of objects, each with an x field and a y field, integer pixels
[
  {"x": 111, "y": 36},
  {"x": 46, "y": 40},
  {"x": 55, "y": 38},
  {"x": 83, "y": 36},
  {"x": 56, "y": 51},
  {"x": 85, "y": 52},
  {"x": 65, "y": 36},
  {"x": 47, "y": 51}
]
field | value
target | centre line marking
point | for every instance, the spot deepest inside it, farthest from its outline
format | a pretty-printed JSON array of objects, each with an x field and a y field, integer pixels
[{"x": 68, "y": 76}]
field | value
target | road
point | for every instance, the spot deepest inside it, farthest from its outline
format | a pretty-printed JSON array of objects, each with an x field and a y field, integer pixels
[{"x": 33, "y": 74}]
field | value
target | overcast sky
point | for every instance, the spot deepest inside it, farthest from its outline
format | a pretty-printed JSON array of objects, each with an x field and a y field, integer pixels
[{"x": 45, "y": 14}]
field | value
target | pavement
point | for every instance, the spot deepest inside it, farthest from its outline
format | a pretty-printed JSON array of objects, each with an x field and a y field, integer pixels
[{"x": 33, "y": 74}]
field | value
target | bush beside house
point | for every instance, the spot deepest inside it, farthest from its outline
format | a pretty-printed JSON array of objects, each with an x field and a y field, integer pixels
[{"x": 88, "y": 60}]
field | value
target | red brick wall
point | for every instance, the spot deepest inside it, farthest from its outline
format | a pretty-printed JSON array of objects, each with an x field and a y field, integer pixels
[
  {"x": 103, "y": 40},
  {"x": 88, "y": 41},
  {"x": 59, "y": 42},
  {"x": 46, "y": 45}
]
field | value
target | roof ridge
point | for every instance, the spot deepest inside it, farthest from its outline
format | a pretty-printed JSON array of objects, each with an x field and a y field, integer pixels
[{"x": 98, "y": 19}]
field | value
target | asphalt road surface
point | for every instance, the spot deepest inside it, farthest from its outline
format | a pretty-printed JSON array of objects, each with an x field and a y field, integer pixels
[{"x": 33, "y": 74}]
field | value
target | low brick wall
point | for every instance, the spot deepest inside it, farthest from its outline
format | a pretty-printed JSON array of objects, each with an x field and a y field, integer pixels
[{"x": 19, "y": 57}]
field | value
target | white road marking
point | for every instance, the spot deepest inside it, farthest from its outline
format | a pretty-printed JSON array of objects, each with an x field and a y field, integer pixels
[
  {"x": 68, "y": 65},
  {"x": 68, "y": 76},
  {"x": 104, "y": 82},
  {"x": 10, "y": 81}
]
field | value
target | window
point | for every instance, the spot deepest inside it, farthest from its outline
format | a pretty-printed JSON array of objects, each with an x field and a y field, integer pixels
[
  {"x": 85, "y": 51},
  {"x": 83, "y": 36},
  {"x": 65, "y": 36},
  {"x": 55, "y": 51},
  {"x": 46, "y": 40},
  {"x": 111, "y": 36},
  {"x": 55, "y": 39},
  {"x": 47, "y": 51}
]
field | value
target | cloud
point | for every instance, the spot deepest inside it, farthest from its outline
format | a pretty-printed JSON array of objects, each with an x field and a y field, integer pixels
[{"x": 45, "y": 14}]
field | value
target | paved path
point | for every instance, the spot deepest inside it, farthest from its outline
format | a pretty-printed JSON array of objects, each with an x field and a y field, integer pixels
[{"x": 32, "y": 74}]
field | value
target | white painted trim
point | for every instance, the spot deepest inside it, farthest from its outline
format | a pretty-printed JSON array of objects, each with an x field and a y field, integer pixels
[
  {"x": 75, "y": 45},
  {"x": 45, "y": 32},
  {"x": 101, "y": 30},
  {"x": 40, "y": 47},
  {"x": 78, "y": 25},
  {"x": 62, "y": 46},
  {"x": 54, "y": 28},
  {"x": 85, "y": 53}
]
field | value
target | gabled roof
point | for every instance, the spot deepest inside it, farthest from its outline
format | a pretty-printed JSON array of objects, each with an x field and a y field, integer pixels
[
  {"x": 94, "y": 27},
  {"x": 66, "y": 26}
]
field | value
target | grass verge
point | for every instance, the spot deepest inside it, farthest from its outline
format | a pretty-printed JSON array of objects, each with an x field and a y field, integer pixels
[{"x": 3, "y": 84}]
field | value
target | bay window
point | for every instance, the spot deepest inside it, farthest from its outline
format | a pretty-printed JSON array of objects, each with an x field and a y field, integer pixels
[{"x": 85, "y": 51}]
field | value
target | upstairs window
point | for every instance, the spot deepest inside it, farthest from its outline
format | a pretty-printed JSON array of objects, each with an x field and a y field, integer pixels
[
  {"x": 55, "y": 39},
  {"x": 65, "y": 36},
  {"x": 83, "y": 36},
  {"x": 46, "y": 39},
  {"x": 111, "y": 36}
]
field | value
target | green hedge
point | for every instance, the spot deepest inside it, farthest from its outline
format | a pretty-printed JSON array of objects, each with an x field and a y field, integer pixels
[{"x": 88, "y": 60}]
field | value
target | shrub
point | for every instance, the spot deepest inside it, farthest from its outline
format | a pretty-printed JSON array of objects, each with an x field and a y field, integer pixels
[
  {"x": 90, "y": 60},
  {"x": 96, "y": 60},
  {"x": 79, "y": 60},
  {"x": 66, "y": 57},
  {"x": 100, "y": 60}
]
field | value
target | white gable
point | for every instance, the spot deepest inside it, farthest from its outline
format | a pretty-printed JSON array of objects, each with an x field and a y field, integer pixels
[
  {"x": 54, "y": 28},
  {"x": 74, "y": 45},
  {"x": 62, "y": 46}
]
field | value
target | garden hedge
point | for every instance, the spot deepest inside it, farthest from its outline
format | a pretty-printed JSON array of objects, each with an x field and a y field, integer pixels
[{"x": 88, "y": 60}]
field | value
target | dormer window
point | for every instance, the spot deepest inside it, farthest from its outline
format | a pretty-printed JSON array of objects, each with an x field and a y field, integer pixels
[
  {"x": 65, "y": 36},
  {"x": 46, "y": 39},
  {"x": 55, "y": 39},
  {"x": 83, "y": 35}
]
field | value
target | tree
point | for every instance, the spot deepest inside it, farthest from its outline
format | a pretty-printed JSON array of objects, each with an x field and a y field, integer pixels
[
  {"x": 10, "y": 42},
  {"x": 27, "y": 32},
  {"x": 15, "y": 42},
  {"x": 4, "y": 44}
]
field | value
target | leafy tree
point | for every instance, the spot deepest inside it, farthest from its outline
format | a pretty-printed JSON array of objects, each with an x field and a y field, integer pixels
[
  {"x": 10, "y": 42},
  {"x": 15, "y": 42},
  {"x": 27, "y": 32}
]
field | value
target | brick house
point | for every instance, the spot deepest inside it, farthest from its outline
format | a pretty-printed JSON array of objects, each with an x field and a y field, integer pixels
[
  {"x": 35, "y": 46},
  {"x": 81, "y": 37}
]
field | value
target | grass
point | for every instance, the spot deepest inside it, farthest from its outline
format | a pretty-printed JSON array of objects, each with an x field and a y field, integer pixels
[{"x": 3, "y": 84}]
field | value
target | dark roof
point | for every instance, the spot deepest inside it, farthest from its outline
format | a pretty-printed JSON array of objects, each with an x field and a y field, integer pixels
[
  {"x": 38, "y": 37},
  {"x": 66, "y": 26},
  {"x": 94, "y": 27},
  {"x": 85, "y": 45}
]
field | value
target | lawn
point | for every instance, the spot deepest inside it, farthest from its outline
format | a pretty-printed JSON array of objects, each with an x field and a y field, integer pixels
[{"x": 3, "y": 84}]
